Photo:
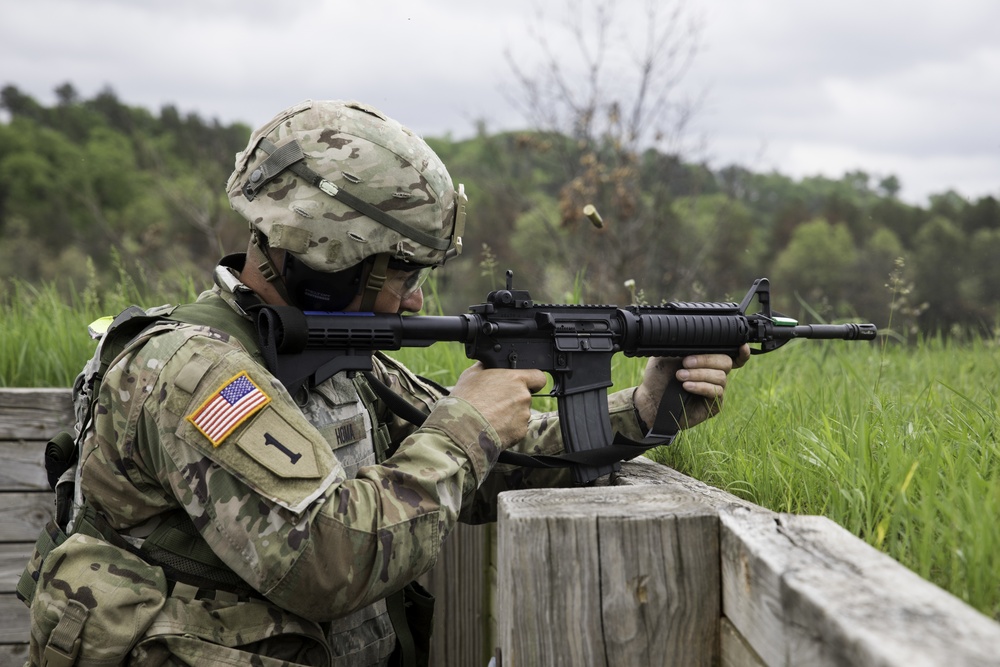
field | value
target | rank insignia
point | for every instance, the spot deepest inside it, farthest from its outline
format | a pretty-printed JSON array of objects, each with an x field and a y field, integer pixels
[{"x": 231, "y": 405}]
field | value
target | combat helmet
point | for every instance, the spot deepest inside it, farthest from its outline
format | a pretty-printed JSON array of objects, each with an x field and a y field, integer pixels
[{"x": 349, "y": 194}]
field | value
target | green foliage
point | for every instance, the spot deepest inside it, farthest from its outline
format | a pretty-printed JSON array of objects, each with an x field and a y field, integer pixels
[
  {"x": 88, "y": 180},
  {"x": 939, "y": 260},
  {"x": 721, "y": 249},
  {"x": 95, "y": 179},
  {"x": 816, "y": 263}
]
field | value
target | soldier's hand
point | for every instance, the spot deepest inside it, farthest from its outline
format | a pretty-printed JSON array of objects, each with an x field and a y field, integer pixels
[
  {"x": 503, "y": 396},
  {"x": 702, "y": 375}
]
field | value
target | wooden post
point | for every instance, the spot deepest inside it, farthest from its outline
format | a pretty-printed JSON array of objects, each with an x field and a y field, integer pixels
[{"x": 607, "y": 576}]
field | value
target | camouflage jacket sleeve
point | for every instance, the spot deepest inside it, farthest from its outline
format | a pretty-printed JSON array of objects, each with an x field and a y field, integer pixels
[
  {"x": 263, "y": 486},
  {"x": 544, "y": 438}
]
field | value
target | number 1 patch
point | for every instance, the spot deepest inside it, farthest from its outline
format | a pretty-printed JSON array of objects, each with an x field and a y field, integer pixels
[{"x": 231, "y": 405}]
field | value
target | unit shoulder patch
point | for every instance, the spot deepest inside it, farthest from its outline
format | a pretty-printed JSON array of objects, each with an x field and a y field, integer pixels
[{"x": 277, "y": 446}]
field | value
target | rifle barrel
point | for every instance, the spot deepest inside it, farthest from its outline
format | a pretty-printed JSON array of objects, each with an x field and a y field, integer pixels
[{"x": 849, "y": 331}]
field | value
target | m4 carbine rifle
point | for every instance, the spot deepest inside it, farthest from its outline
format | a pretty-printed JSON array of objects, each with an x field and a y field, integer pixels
[{"x": 574, "y": 344}]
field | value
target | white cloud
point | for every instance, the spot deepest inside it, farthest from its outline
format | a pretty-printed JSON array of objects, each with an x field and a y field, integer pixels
[{"x": 889, "y": 86}]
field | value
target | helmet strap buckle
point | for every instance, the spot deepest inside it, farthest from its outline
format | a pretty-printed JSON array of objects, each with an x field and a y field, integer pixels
[
  {"x": 377, "y": 276},
  {"x": 267, "y": 268}
]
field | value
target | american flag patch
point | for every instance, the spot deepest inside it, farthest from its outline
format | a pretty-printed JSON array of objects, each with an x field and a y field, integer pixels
[{"x": 227, "y": 408}]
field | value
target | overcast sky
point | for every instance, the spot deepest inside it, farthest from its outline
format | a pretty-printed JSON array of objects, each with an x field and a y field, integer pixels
[{"x": 903, "y": 87}]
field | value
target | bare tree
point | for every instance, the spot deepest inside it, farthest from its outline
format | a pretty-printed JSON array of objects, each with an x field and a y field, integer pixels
[{"x": 605, "y": 96}]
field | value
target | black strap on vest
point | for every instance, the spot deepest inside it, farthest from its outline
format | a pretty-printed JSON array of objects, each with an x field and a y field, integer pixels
[
  {"x": 190, "y": 561},
  {"x": 396, "y": 404},
  {"x": 411, "y": 609}
]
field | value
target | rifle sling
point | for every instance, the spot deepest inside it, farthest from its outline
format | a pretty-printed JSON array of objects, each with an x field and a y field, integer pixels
[{"x": 621, "y": 448}]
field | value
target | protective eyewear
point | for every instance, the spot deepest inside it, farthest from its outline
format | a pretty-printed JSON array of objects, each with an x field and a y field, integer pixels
[{"x": 404, "y": 283}]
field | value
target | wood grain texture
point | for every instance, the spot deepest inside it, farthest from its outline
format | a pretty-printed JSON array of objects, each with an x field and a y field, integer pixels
[
  {"x": 23, "y": 466},
  {"x": 641, "y": 471},
  {"x": 458, "y": 583},
  {"x": 735, "y": 651},
  {"x": 607, "y": 576},
  {"x": 34, "y": 414},
  {"x": 804, "y": 591},
  {"x": 24, "y": 514},
  {"x": 13, "y": 558},
  {"x": 14, "y": 625},
  {"x": 13, "y": 655}
]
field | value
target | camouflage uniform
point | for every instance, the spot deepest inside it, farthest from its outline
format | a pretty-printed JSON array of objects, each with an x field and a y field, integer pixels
[
  {"x": 287, "y": 495},
  {"x": 291, "y": 498}
]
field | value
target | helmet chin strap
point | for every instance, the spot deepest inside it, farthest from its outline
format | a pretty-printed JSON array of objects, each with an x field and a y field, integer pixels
[
  {"x": 374, "y": 282},
  {"x": 268, "y": 269}
]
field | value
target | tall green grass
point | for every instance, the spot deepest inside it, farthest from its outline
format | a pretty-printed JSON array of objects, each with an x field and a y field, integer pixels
[
  {"x": 43, "y": 329},
  {"x": 899, "y": 445}
]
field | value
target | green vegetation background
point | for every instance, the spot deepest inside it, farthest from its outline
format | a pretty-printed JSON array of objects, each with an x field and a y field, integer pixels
[
  {"x": 90, "y": 186},
  {"x": 103, "y": 205}
]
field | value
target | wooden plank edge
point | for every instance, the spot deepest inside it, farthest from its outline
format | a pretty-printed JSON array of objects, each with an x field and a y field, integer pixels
[
  {"x": 14, "y": 620},
  {"x": 735, "y": 651},
  {"x": 34, "y": 414},
  {"x": 802, "y": 590}
]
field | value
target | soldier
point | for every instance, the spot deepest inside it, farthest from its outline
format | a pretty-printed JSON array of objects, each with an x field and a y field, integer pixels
[{"x": 217, "y": 519}]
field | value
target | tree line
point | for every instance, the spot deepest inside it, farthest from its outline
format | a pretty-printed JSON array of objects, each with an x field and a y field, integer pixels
[{"x": 89, "y": 187}]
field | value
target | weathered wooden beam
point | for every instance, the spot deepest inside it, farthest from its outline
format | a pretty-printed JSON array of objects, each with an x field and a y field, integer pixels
[
  {"x": 13, "y": 558},
  {"x": 458, "y": 584},
  {"x": 804, "y": 591},
  {"x": 607, "y": 576},
  {"x": 34, "y": 414},
  {"x": 734, "y": 648},
  {"x": 23, "y": 515},
  {"x": 641, "y": 471},
  {"x": 13, "y": 655},
  {"x": 23, "y": 467},
  {"x": 14, "y": 621}
]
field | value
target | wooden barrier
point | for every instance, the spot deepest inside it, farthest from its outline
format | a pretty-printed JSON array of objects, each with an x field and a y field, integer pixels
[
  {"x": 661, "y": 569},
  {"x": 28, "y": 418},
  {"x": 462, "y": 582},
  {"x": 664, "y": 570}
]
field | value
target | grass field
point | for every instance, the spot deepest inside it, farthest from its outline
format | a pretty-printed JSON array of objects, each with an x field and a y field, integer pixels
[{"x": 898, "y": 444}]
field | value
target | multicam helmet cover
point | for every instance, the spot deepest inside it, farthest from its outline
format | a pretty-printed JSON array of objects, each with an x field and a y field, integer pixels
[{"x": 337, "y": 182}]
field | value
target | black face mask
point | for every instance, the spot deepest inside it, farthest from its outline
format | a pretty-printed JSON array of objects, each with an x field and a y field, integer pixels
[{"x": 312, "y": 290}]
